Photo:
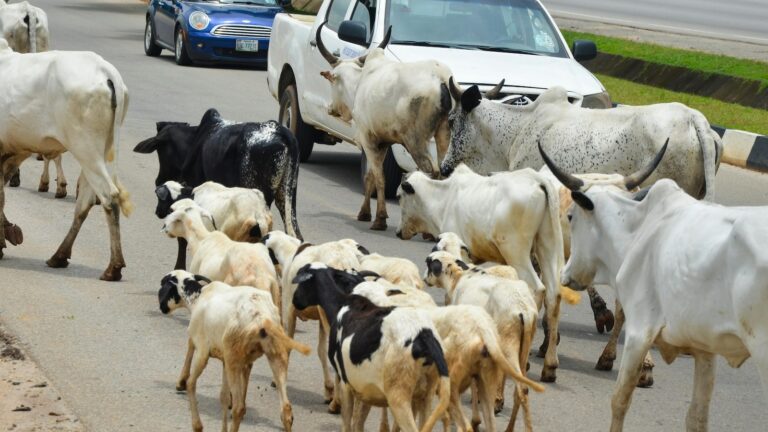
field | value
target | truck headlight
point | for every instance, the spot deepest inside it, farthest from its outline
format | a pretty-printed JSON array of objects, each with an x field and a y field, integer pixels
[
  {"x": 597, "y": 100},
  {"x": 199, "y": 20}
]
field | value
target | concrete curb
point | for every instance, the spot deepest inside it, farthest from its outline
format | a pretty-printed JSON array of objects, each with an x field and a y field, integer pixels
[{"x": 744, "y": 149}]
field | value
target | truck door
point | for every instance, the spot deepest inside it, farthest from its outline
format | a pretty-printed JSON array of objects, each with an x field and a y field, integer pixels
[{"x": 320, "y": 96}]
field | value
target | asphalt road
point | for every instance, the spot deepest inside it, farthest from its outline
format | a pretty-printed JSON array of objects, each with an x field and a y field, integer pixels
[
  {"x": 115, "y": 358},
  {"x": 740, "y": 20}
]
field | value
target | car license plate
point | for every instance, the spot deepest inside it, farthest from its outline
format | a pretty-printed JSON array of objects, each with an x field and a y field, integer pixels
[{"x": 246, "y": 45}]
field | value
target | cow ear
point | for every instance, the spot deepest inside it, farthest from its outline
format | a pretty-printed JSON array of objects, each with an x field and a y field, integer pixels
[
  {"x": 329, "y": 76},
  {"x": 408, "y": 188},
  {"x": 583, "y": 201},
  {"x": 471, "y": 98}
]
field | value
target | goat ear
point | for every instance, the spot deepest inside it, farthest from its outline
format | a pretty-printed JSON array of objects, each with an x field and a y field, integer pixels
[
  {"x": 462, "y": 265},
  {"x": 408, "y": 188},
  {"x": 368, "y": 273},
  {"x": 186, "y": 190},
  {"x": 273, "y": 257},
  {"x": 255, "y": 231},
  {"x": 147, "y": 146},
  {"x": 201, "y": 278},
  {"x": 583, "y": 201},
  {"x": 328, "y": 75},
  {"x": 302, "y": 276},
  {"x": 363, "y": 250},
  {"x": 471, "y": 98}
]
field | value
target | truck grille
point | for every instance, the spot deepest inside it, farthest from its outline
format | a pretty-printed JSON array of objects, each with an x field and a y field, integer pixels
[{"x": 242, "y": 30}]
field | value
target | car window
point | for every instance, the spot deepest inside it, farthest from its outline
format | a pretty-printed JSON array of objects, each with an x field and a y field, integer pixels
[
  {"x": 336, "y": 13},
  {"x": 364, "y": 13}
]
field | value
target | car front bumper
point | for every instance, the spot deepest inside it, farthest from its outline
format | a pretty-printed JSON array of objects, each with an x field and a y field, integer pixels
[{"x": 205, "y": 47}]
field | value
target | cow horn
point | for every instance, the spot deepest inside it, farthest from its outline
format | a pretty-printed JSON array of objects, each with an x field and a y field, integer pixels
[
  {"x": 494, "y": 92},
  {"x": 387, "y": 35},
  {"x": 573, "y": 183},
  {"x": 637, "y": 178},
  {"x": 456, "y": 91},
  {"x": 330, "y": 58}
]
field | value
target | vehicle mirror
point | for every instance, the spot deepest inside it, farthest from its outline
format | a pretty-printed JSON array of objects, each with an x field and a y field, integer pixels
[
  {"x": 584, "y": 50},
  {"x": 354, "y": 32}
]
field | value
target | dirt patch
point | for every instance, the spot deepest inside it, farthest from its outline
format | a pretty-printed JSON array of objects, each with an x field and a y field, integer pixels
[{"x": 29, "y": 403}]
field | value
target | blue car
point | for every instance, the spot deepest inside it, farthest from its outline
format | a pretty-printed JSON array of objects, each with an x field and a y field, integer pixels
[{"x": 211, "y": 31}]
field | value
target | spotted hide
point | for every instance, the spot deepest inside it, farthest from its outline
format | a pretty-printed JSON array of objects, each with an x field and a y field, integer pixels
[{"x": 263, "y": 156}]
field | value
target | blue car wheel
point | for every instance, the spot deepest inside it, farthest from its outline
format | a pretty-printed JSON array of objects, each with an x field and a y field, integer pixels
[
  {"x": 182, "y": 56},
  {"x": 150, "y": 47}
]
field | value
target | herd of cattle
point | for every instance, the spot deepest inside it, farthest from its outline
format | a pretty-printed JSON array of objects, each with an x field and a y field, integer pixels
[{"x": 504, "y": 193}]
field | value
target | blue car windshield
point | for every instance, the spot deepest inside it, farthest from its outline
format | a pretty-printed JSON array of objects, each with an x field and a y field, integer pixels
[
  {"x": 252, "y": 2},
  {"x": 515, "y": 26}
]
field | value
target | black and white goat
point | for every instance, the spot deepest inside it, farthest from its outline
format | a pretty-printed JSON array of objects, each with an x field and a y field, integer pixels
[
  {"x": 237, "y": 325},
  {"x": 381, "y": 354}
]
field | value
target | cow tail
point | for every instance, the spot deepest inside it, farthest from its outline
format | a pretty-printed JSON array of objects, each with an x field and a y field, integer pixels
[
  {"x": 290, "y": 184},
  {"x": 119, "y": 105},
  {"x": 32, "y": 29},
  {"x": 553, "y": 219},
  {"x": 711, "y": 152}
]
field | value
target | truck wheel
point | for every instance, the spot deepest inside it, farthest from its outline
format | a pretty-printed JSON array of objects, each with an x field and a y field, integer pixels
[
  {"x": 392, "y": 174},
  {"x": 290, "y": 117},
  {"x": 150, "y": 47}
]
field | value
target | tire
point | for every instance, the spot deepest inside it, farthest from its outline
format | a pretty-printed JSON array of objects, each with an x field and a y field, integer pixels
[
  {"x": 181, "y": 54},
  {"x": 290, "y": 117},
  {"x": 150, "y": 47},
  {"x": 392, "y": 174}
]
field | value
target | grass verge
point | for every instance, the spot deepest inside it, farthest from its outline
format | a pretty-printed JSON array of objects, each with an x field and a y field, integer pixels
[
  {"x": 694, "y": 60},
  {"x": 729, "y": 115}
]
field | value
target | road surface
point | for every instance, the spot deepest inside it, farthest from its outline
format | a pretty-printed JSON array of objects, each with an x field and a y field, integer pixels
[
  {"x": 115, "y": 358},
  {"x": 738, "y": 20}
]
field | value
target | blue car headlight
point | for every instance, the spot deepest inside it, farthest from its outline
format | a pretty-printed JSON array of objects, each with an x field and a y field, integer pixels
[{"x": 199, "y": 20}]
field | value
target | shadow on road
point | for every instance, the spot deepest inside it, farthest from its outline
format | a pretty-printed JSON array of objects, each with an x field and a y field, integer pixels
[{"x": 131, "y": 8}]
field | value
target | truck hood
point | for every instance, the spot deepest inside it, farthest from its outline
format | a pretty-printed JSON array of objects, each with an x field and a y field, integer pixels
[
  {"x": 240, "y": 13},
  {"x": 519, "y": 70}
]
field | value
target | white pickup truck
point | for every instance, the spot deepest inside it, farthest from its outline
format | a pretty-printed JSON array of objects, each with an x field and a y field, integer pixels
[{"x": 481, "y": 41}]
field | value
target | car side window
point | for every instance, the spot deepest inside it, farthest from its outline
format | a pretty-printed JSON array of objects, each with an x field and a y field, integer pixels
[
  {"x": 336, "y": 13},
  {"x": 364, "y": 13}
]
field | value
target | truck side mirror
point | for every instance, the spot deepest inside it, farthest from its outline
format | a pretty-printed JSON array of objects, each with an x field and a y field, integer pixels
[
  {"x": 584, "y": 50},
  {"x": 353, "y": 32}
]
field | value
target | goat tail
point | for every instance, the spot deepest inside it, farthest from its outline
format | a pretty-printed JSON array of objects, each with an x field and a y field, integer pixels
[
  {"x": 513, "y": 371},
  {"x": 276, "y": 331},
  {"x": 444, "y": 399}
]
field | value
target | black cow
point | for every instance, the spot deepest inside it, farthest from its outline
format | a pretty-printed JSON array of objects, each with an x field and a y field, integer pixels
[{"x": 263, "y": 156}]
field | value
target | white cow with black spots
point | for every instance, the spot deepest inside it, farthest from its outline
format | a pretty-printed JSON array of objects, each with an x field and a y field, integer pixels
[{"x": 488, "y": 137}]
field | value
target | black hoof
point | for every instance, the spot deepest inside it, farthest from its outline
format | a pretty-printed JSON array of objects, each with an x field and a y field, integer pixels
[
  {"x": 57, "y": 262},
  {"x": 379, "y": 224},
  {"x": 604, "y": 364},
  {"x": 364, "y": 217},
  {"x": 112, "y": 274},
  {"x": 548, "y": 375}
]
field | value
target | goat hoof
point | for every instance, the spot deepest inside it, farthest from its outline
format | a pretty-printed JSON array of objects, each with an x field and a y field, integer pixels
[
  {"x": 273, "y": 385},
  {"x": 15, "y": 181},
  {"x": 380, "y": 224},
  {"x": 181, "y": 385},
  {"x": 646, "y": 378},
  {"x": 43, "y": 187},
  {"x": 57, "y": 262},
  {"x": 604, "y": 321},
  {"x": 364, "y": 217},
  {"x": 39, "y": 157},
  {"x": 548, "y": 374},
  {"x": 60, "y": 193},
  {"x": 13, "y": 234},
  {"x": 475, "y": 425},
  {"x": 112, "y": 273},
  {"x": 604, "y": 363},
  {"x": 334, "y": 408},
  {"x": 497, "y": 407},
  {"x": 428, "y": 237}
]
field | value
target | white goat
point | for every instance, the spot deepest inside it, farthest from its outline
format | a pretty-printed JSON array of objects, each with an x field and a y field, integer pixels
[
  {"x": 399, "y": 271},
  {"x": 237, "y": 325}
]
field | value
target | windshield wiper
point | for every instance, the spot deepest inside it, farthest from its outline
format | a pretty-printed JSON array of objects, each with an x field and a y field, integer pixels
[
  {"x": 433, "y": 44},
  {"x": 506, "y": 50}
]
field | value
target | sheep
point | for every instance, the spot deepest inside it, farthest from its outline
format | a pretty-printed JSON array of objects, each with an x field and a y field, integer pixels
[
  {"x": 291, "y": 255},
  {"x": 237, "y": 325},
  {"x": 470, "y": 343},
  {"x": 510, "y": 303},
  {"x": 397, "y": 270},
  {"x": 385, "y": 356},
  {"x": 216, "y": 256},
  {"x": 242, "y": 214}
]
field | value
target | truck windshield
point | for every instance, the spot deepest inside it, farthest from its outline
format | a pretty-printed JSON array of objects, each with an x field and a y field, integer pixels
[{"x": 517, "y": 26}]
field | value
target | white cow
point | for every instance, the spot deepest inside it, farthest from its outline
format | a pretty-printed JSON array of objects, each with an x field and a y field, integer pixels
[
  {"x": 391, "y": 102},
  {"x": 75, "y": 101},
  {"x": 489, "y": 136},
  {"x": 692, "y": 277},
  {"x": 503, "y": 218}
]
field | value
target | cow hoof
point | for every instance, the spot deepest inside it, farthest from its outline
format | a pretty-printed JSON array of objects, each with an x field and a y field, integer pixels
[
  {"x": 13, "y": 234},
  {"x": 334, "y": 408},
  {"x": 380, "y": 224},
  {"x": 364, "y": 217},
  {"x": 181, "y": 385},
  {"x": 1, "y": 253},
  {"x": 475, "y": 425},
  {"x": 604, "y": 363},
  {"x": 604, "y": 321},
  {"x": 61, "y": 193},
  {"x": 646, "y": 378},
  {"x": 57, "y": 262},
  {"x": 497, "y": 407},
  {"x": 112, "y": 274},
  {"x": 43, "y": 187},
  {"x": 548, "y": 374}
]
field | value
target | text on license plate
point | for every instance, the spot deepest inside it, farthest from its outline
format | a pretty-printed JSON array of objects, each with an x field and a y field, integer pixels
[{"x": 246, "y": 45}]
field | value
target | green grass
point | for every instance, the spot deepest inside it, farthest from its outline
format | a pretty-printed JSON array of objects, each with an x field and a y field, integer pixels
[
  {"x": 708, "y": 63},
  {"x": 724, "y": 114}
]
